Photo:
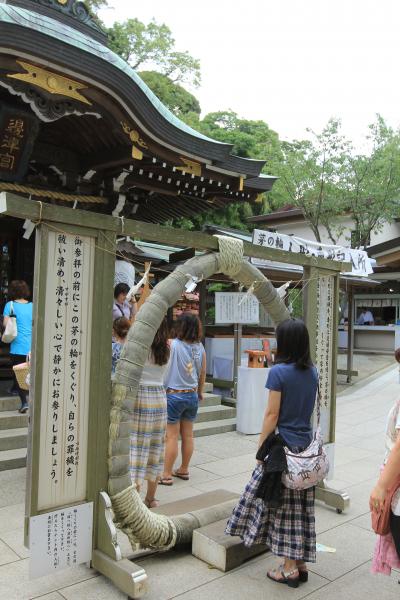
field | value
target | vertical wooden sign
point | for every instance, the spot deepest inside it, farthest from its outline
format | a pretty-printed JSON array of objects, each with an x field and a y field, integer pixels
[
  {"x": 324, "y": 347},
  {"x": 66, "y": 364}
]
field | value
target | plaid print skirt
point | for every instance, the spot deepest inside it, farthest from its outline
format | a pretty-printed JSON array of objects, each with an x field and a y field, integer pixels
[
  {"x": 148, "y": 434},
  {"x": 288, "y": 531}
]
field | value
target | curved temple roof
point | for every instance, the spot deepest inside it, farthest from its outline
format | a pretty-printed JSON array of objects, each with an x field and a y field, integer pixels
[{"x": 27, "y": 31}]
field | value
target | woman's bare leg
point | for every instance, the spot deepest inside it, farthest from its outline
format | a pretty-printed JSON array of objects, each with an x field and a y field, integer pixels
[
  {"x": 171, "y": 449},
  {"x": 186, "y": 428}
]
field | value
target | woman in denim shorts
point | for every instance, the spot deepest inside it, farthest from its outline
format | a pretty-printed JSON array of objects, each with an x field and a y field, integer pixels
[{"x": 184, "y": 383}]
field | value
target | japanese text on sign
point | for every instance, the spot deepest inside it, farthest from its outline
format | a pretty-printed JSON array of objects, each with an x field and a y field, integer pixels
[
  {"x": 18, "y": 131},
  {"x": 236, "y": 307},
  {"x": 11, "y": 143},
  {"x": 60, "y": 539},
  {"x": 65, "y": 385},
  {"x": 360, "y": 262},
  {"x": 324, "y": 347}
]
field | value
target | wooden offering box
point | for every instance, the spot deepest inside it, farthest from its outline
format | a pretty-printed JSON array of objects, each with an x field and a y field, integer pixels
[{"x": 257, "y": 358}]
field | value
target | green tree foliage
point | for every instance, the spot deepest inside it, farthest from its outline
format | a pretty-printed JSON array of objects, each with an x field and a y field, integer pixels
[
  {"x": 250, "y": 139},
  {"x": 234, "y": 215},
  {"x": 371, "y": 182},
  {"x": 309, "y": 172},
  {"x": 173, "y": 95},
  {"x": 153, "y": 45}
]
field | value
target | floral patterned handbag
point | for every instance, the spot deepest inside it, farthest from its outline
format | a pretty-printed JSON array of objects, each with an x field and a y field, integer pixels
[{"x": 307, "y": 468}]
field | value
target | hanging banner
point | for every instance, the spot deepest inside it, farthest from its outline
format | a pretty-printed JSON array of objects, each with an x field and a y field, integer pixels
[
  {"x": 359, "y": 259},
  {"x": 236, "y": 307},
  {"x": 66, "y": 364}
]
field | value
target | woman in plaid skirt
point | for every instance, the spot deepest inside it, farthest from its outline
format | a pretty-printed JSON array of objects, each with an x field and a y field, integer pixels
[
  {"x": 150, "y": 418},
  {"x": 289, "y": 529}
]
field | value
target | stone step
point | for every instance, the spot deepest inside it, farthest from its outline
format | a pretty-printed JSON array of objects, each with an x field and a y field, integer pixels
[
  {"x": 12, "y": 459},
  {"x": 208, "y": 387},
  {"x": 10, "y": 419},
  {"x": 13, "y": 438},
  {"x": 210, "y": 399},
  {"x": 215, "y": 413},
  {"x": 213, "y": 546},
  {"x": 193, "y": 503},
  {"x": 229, "y": 401},
  {"x": 9, "y": 403},
  {"x": 214, "y": 427}
]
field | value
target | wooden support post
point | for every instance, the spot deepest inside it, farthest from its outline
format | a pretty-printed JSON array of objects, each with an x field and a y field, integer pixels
[
  {"x": 313, "y": 315},
  {"x": 202, "y": 287},
  {"x": 350, "y": 332},
  {"x": 237, "y": 354}
]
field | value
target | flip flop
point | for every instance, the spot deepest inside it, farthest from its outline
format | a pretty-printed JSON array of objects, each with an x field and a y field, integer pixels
[
  {"x": 151, "y": 503},
  {"x": 285, "y": 578},
  {"x": 184, "y": 476},
  {"x": 166, "y": 481}
]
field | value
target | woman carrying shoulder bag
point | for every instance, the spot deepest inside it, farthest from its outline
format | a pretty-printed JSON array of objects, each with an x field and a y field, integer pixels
[
  {"x": 20, "y": 308},
  {"x": 269, "y": 512}
]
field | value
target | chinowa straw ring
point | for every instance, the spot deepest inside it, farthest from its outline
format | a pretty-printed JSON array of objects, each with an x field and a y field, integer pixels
[{"x": 131, "y": 514}]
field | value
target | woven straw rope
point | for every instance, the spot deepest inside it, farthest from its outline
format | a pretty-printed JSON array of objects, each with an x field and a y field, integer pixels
[{"x": 131, "y": 515}]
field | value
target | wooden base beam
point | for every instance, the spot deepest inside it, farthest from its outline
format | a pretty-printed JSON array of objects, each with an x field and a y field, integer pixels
[{"x": 128, "y": 577}]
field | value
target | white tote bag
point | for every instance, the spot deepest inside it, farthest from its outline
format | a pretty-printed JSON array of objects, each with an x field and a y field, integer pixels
[
  {"x": 11, "y": 331},
  {"x": 306, "y": 469}
]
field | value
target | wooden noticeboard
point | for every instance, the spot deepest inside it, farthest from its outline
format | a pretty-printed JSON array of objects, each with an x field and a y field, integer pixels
[{"x": 236, "y": 307}]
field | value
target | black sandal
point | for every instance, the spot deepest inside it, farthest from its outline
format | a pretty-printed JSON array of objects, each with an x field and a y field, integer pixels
[{"x": 285, "y": 578}]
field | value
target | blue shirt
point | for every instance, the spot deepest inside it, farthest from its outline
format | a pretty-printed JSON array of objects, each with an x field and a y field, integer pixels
[
  {"x": 298, "y": 389},
  {"x": 186, "y": 361},
  {"x": 23, "y": 313},
  {"x": 116, "y": 354}
]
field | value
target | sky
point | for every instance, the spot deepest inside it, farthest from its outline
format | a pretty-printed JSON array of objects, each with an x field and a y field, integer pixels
[{"x": 291, "y": 63}]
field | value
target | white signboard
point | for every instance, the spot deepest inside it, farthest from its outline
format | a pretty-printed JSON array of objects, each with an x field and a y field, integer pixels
[
  {"x": 359, "y": 259},
  {"x": 66, "y": 367},
  {"x": 324, "y": 342},
  {"x": 60, "y": 539},
  {"x": 236, "y": 307}
]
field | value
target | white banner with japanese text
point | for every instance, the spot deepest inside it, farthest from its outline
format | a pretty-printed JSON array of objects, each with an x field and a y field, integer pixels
[
  {"x": 359, "y": 259},
  {"x": 66, "y": 368}
]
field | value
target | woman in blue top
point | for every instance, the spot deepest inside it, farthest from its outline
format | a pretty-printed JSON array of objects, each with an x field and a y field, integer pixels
[
  {"x": 184, "y": 382},
  {"x": 20, "y": 306},
  {"x": 289, "y": 530}
]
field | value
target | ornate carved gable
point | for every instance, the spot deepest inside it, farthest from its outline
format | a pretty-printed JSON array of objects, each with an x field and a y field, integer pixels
[{"x": 71, "y": 12}]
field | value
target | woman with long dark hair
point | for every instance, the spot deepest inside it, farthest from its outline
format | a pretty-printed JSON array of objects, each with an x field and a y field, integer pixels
[
  {"x": 184, "y": 383},
  {"x": 150, "y": 418},
  {"x": 20, "y": 308},
  {"x": 286, "y": 523}
]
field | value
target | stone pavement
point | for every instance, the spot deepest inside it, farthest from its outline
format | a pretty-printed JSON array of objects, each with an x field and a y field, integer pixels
[{"x": 225, "y": 461}]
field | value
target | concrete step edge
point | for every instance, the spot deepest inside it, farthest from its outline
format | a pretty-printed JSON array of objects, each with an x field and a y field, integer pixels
[{"x": 12, "y": 459}]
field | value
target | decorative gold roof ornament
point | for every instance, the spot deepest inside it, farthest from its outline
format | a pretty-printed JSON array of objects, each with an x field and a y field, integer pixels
[
  {"x": 136, "y": 140},
  {"x": 190, "y": 166},
  {"x": 51, "y": 82}
]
